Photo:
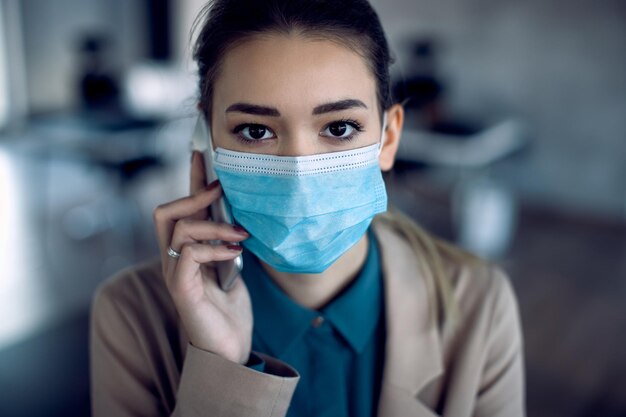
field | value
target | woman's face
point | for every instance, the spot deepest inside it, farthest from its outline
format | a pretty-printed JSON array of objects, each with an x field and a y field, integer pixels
[{"x": 292, "y": 95}]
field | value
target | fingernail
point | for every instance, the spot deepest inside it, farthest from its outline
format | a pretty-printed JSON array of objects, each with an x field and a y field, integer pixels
[
  {"x": 193, "y": 155},
  {"x": 213, "y": 185},
  {"x": 234, "y": 248},
  {"x": 241, "y": 230}
]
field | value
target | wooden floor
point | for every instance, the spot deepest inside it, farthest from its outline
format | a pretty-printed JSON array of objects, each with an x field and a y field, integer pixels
[{"x": 570, "y": 277}]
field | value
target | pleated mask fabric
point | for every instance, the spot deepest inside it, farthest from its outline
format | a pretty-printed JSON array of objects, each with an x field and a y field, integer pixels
[{"x": 302, "y": 212}]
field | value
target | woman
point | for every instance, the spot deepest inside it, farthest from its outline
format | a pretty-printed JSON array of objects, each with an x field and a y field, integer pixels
[{"x": 343, "y": 307}]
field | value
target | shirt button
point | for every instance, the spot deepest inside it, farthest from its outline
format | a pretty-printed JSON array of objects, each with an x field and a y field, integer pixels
[{"x": 317, "y": 321}]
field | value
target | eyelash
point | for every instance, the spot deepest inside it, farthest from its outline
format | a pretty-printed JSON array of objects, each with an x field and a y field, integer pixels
[
  {"x": 240, "y": 138},
  {"x": 358, "y": 127}
]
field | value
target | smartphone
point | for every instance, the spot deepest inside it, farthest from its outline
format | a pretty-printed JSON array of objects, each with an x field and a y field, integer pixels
[{"x": 227, "y": 271}]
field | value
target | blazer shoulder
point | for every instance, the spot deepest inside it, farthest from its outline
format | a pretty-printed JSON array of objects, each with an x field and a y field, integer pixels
[
  {"x": 475, "y": 282},
  {"x": 132, "y": 280},
  {"x": 136, "y": 292},
  {"x": 472, "y": 282}
]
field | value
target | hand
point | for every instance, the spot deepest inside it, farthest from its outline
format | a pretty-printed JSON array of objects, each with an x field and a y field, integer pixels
[{"x": 215, "y": 321}]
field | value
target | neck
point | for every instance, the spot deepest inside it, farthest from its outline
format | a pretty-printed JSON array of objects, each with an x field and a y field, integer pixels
[{"x": 314, "y": 291}]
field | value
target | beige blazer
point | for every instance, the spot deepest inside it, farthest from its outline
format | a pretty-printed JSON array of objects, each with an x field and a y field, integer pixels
[{"x": 143, "y": 365}]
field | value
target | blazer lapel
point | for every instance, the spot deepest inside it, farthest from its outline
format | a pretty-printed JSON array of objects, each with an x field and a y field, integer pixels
[{"x": 413, "y": 346}]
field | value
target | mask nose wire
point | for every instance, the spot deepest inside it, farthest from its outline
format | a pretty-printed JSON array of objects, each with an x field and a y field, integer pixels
[{"x": 382, "y": 134}]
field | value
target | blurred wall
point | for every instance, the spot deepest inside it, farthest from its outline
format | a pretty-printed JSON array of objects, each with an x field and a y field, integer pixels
[
  {"x": 560, "y": 65},
  {"x": 12, "y": 79},
  {"x": 51, "y": 31},
  {"x": 4, "y": 76},
  {"x": 185, "y": 13}
]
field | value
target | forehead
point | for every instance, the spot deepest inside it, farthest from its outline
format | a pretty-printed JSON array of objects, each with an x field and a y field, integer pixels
[{"x": 293, "y": 73}]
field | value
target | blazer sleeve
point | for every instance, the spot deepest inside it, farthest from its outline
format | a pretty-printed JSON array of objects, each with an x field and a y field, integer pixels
[
  {"x": 123, "y": 377},
  {"x": 502, "y": 391}
]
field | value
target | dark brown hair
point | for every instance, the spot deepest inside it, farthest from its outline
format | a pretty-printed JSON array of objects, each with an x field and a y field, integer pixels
[{"x": 352, "y": 23}]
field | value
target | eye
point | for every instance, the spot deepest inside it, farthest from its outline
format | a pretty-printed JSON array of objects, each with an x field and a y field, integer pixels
[
  {"x": 342, "y": 129},
  {"x": 253, "y": 132}
]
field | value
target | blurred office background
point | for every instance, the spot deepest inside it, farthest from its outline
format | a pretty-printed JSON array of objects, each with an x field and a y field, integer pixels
[{"x": 515, "y": 147}]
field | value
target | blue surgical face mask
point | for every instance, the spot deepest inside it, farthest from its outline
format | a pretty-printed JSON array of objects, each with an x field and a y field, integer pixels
[{"x": 303, "y": 212}]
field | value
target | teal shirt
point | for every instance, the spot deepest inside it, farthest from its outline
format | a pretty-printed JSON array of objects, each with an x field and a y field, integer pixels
[{"x": 338, "y": 351}]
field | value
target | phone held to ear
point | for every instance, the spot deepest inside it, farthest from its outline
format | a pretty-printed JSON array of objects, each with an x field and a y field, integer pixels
[{"x": 226, "y": 271}]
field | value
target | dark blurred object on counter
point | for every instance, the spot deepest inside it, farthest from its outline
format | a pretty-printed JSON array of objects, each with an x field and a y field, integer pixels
[
  {"x": 98, "y": 85},
  {"x": 422, "y": 89}
]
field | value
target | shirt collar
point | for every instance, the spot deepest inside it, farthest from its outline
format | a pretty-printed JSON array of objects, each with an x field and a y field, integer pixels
[{"x": 354, "y": 312}]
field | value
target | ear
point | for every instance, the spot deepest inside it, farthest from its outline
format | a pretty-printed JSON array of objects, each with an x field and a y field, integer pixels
[{"x": 395, "y": 121}]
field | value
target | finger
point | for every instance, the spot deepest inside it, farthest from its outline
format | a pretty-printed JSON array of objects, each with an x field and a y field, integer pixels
[
  {"x": 166, "y": 215},
  {"x": 197, "y": 182},
  {"x": 190, "y": 231},
  {"x": 186, "y": 278}
]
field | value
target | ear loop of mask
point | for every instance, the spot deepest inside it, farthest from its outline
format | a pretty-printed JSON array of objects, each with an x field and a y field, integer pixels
[{"x": 382, "y": 135}]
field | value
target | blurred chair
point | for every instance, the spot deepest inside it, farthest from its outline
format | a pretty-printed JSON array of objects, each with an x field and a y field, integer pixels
[{"x": 484, "y": 209}]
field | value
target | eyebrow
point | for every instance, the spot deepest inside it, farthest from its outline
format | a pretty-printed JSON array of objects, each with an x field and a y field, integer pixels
[
  {"x": 273, "y": 112},
  {"x": 253, "y": 109},
  {"x": 338, "y": 106}
]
